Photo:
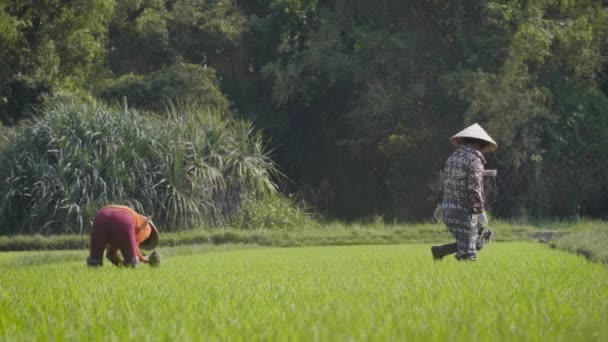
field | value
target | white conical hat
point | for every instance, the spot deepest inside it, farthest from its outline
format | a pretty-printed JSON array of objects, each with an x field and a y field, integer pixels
[{"x": 475, "y": 131}]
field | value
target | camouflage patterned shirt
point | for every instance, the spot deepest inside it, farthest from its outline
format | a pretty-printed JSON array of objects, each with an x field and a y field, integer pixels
[{"x": 463, "y": 180}]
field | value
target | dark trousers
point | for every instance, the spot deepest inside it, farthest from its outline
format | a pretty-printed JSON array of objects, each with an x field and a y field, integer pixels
[{"x": 114, "y": 227}]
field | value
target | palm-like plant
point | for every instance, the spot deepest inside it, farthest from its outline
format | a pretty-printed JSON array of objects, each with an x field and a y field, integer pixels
[{"x": 190, "y": 166}]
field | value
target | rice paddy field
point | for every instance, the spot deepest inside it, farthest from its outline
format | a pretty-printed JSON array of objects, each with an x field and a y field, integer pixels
[{"x": 515, "y": 291}]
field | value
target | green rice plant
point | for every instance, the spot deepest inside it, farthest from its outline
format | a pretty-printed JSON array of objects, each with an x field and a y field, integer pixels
[
  {"x": 514, "y": 292},
  {"x": 188, "y": 167}
]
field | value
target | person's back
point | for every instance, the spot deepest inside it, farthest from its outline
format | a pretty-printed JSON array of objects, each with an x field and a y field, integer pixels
[{"x": 462, "y": 187}]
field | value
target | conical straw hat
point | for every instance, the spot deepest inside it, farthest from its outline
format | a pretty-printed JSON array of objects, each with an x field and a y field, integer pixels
[
  {"x": 152, "y": 241},
  {"x": 475, "y": 131}
]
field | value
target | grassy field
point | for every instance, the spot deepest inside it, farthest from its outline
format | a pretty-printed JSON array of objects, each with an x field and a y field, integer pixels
[
  {"x": 589, "y": 239},
  {"x": 516, "y": 291},
  {"x": 326, "y": 234}
]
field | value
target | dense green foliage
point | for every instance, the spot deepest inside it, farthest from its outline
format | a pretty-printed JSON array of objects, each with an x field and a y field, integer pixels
[
  {"x": 47, "y": 47},
  {"x": 184, "y": 83},
  {"x": 358, "y": 98},
  {"x": 376, "y": 90},
  {"x": 514, "y": 292},
  {"x": 191, "y": 166}
]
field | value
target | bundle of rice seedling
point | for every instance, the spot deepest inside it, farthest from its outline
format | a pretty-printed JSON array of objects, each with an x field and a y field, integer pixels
[{"x": 154, "y": 259}]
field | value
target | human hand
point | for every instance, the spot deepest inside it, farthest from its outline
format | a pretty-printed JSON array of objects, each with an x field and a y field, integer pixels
[
  {"x": 438, "y": 214},
  {"x": 133, "y": 263}
]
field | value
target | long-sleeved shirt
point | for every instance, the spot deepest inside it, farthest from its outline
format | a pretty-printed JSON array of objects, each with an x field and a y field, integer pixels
[
  {"x": 142, "y": 232},
  {"x": 463, "y": 180}
]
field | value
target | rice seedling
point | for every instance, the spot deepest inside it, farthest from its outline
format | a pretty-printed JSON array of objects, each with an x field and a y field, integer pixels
[
  {"x": 154, "y": 259},
  {"x": 515, "y": 291}
]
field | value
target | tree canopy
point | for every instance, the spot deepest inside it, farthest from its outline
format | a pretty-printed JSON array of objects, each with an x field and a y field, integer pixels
[{"x": 357, "y": 98}]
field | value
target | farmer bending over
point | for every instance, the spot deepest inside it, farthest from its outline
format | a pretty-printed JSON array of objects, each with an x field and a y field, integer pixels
[
  {"x": 118, "y": 227},
  {"x": 463, "y": 197}
]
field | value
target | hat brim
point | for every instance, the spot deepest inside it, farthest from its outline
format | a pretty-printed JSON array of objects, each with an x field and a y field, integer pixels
[
  {"x": 491, "y": 146},
  {"x": 475, "y": 132},
  {"x": 152, "y": 241}
]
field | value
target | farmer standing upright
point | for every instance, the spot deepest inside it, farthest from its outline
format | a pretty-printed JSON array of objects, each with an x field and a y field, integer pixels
[
  {"x": 118, "y": 227},
  {"x": 463, "y": 196}
]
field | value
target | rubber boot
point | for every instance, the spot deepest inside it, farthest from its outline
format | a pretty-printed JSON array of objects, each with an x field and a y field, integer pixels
[{"x": 440, "y": 251}]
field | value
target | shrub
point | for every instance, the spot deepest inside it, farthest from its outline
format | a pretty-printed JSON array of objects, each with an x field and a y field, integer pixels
[
  {"x": 178, "y": 83},
  {"x": 271, "y": 212},
  {"x": 188, "y": 167},
  {"x": 24, "y": 94}
]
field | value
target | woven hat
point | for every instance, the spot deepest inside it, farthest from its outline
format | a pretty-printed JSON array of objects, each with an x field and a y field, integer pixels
[
  {"x": 152, "y": 241},
  {"x": 476, "y": 132}
]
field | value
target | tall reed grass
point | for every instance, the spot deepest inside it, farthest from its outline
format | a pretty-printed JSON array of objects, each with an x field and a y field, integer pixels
[{"x": 188, "y": 167}]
